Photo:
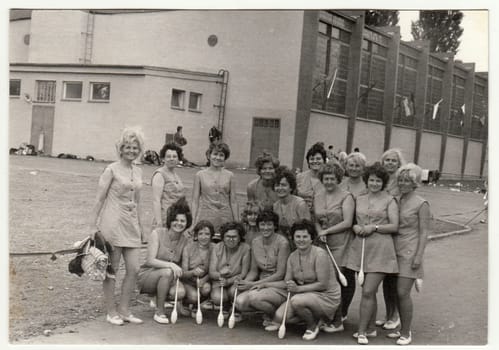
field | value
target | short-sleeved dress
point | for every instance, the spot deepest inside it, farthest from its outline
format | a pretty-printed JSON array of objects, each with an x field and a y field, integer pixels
[
  {"x": 173, "y": 190},
  {"x": 356, "y": 189},
  {"x": 304, "y": 271},
  {"x": 234, "y": 262},
  {"x": 168, "y": 250},
  {"x": 307, "y": 186},
  {"x": 197, "y": 257},
  {"x": 406, "y": 242},
  {"x": 214, "y": 197},
  {"x": 329, "y": 212},
  {"x": 256, "y": 191},
  {"x": 119, "y": 222},
  {"x": 379, "y": 252},
  {"x": 296, "y": 209}
]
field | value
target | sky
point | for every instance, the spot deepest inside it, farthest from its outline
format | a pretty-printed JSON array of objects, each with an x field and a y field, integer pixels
[{"x": 474, "y": 40}]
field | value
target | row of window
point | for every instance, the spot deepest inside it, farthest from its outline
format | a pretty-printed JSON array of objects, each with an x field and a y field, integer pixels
[{"x": 45, "y": 90}]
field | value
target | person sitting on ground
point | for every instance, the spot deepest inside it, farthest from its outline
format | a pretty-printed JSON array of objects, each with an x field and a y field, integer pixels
[
  {"x": 262, "y": 188},
  {"x": 309, "y": 280},
  {"x": 158, "y": 275}
]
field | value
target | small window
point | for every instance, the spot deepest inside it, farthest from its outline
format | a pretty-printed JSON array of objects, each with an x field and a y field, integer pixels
[
  {"x": 195, "y": 102},
  {"x": 15, "y": 88},
  {"x": 72, "y": 90},
  {"x": 45, "y": 91},
  {"x": 100, "y": 92},
  {"x": 177, "y": 99}
]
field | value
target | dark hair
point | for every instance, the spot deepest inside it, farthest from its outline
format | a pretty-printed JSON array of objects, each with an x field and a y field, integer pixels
[
  {"x": 304, "y": 225},
  {"x": 265, "y": 157},
  {"x": 171, "y": 147},
  {"x": 233, "y": 225},
  {"x": 268, "y": 215},
  {"x": 179, "y": 127},
  {"x": 379, "y": 171},
  {"x": 333, "y": 168},
  {"x": 218, "y": 147},
  {"x": 317, "y": 148},
  {"x": 178, "y": 208},
  {"x": 250, "y": 206},
  {"x": 284, "y": 172},
  {"x": 201, "y": 225}
]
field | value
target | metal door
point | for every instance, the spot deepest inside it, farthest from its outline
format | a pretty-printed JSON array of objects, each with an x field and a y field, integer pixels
[
  {"x": 265, "y": 137},
  {"x": 42, "y": 128}
]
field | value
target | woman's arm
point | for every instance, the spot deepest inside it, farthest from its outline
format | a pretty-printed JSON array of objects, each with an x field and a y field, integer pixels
[
  {"x": 196, "y": 192},
  {"x": 137, "y": 200},
  {"x": 250, "y": 192},
  {"x": 214, "y": 274},
  {"x": 348, "y": 207},
  {"x": 233, "y": 198},
  {"x": 245, "y": 265},
  {"x": 322, "y": 269},
  {"x": 393, "y": 221},
  {"x": 103, "y": 187},
  {"x": 424, "y": 230},
  {"x": 152, "y": 253},
  {"x": 303, "y": 211},
  {"x": 158, "y": 182},
  {"x": 280, "y": 284}
]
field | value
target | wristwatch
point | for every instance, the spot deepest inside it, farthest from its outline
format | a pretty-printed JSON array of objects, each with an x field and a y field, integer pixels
[{"x": 376, "y": 228}]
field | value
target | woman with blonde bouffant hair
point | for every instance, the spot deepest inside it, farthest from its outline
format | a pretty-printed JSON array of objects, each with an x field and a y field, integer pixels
[{"x": 116, "y": 215}]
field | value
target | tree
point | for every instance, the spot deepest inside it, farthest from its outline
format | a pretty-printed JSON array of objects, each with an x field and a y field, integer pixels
[
  {"x": 380, "y": 18},
  {"x": 441, "y": 28}
]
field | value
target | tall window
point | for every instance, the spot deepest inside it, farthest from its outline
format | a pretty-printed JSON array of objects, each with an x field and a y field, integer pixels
[
  {"x": 195, "y": 102},
  {"x": 405, "y": 108},
  {"x": 72, "y": 90},
  {"x": 178, "y": 97},
  {"x": 15, "y": 88},
  {"x": 45, "y": 91},
  {"x": 434, "y": 86},
  {"x": 458, "y": 108},
  {"x": 479, "y": 113}
]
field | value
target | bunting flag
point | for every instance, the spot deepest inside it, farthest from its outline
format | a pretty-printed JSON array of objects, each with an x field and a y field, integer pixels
[
  {"x": 407, "y": 107},
  {"x": 332, "y": 83},
  {"x": 463, "y": 108},
  {"x": 482, "y": 120},
  {"x": 461, "y": 122},
  {"x": 435, "y": 108}
]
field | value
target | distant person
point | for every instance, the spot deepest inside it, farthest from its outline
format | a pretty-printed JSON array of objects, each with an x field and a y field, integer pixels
[
  {"x": 330, "y": 153},
  {"x": 180, "y": 141},
  {"x": 356, "y": 149},
  {"x": 214, "y": 134}
]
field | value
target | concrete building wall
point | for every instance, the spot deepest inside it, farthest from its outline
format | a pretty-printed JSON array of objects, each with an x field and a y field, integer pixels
[
  {"x": 453, "y": 154},
  {"x": 429, "y": 156},
  {"x": 18, "y": 49},
  {"x": 20, "y": 112},
  {"x": 405, "y": 139},
  {"x": 473, "y": 158},
  {"x": 57, "y": 36},
  {"x": 369, "y": 138}
]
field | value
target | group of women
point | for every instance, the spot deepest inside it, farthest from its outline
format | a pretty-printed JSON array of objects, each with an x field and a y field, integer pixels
[{"x": 296, "y": 252}]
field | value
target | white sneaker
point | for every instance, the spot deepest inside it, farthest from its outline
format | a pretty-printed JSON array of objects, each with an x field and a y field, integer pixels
[
  {"x": 405, "y": 340},
  {"x": 311, "y": 334},
  {"x": 272, "y": 327},
  {"x": 331, "y": 328},
  {"x": 371, "y": 334},
  {"x": 161, "y": 319}
]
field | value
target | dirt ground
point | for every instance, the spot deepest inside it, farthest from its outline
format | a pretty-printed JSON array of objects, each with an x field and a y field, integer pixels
[{"x": 50, "y": 202}]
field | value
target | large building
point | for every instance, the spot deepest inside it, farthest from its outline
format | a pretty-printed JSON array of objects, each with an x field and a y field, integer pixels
[{"x": 274, "y": 80}]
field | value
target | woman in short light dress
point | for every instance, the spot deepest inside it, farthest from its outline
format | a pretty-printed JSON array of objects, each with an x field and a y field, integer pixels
[
  {"x": 410, "y": 244},
  {"x": 307, "y": 182},
  {"x": 214, "y": 190},
  {"x": 167, "y": 187},
  {"x": 354, "y": 169},
  {"x": 377, "y": 220},
  {"x": 116, "y": 215},
  {"x": 261, "y": 189}
]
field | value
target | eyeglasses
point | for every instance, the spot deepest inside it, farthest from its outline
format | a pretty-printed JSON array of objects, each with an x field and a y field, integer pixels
[{"x": 231, "y": 238}]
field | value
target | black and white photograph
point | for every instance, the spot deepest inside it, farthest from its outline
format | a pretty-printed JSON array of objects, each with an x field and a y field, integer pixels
[{"x": 231, "y": 176}]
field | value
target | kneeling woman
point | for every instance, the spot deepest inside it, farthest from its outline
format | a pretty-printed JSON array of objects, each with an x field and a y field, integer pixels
[
  {"x": 269, "y": 254},
  {"x": 164, "y": 252},
  {"x": 310, "y": 280},
  {"x": 229, "y": 261},
  {"x": 196, "y": 262}
]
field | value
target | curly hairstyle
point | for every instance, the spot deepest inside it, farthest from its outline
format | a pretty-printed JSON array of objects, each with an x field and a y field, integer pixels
[
  {"x": 233, "y": 225},
  {"x": 172, "y": 147},
  {"x": 398, "y": 154},
  {"x": 316, "y": 148},
  {"x": 266, "y": 216},
  {"x": 412, "y": 171},
  {"x": 333, "y": 169},
  {"x": 358, "y": 158},
  {"x": 285, "y": 172},
  {"x": 377, "y": 170},
  {"x": 201, "y": 225},
  {"x": 179, "y": 207},
  {"x": 265, "y": 157},
  {"x": 251, "y": 207},
  {"x": 218, "y": 147},
  {"x": 304, "y": 225},
  {"x": 129, "y": 135}
]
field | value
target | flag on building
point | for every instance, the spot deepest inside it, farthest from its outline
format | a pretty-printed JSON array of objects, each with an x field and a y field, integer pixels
[
  {"x": 332, "y": 83},
  {"x": 406, "y": 106},
  {"x": 463, "y": 108},
  {"x": 482, "y": 120},
  {"x": 435, "y": 108}
]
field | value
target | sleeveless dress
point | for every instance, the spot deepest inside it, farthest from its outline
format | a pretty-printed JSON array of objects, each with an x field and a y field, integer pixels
[
  {"x": 307, "y": 187},
  {"x": 214, "y": 197},
  {"x": 266, "y": 256},
  {"x": 196, "y": 257},
  {"x": 406, "y": 242},
  {"x": 329, "y": 212},
  {"x": 234, "y": 262},
  {"x": 173, "y": 190},
  {"x": 119, "y": 222},
  {"x": 379, "y": 252},
  {"x": 256, "y": 191},
  {"x": 356, "y": 189},
  {"x": 296, "y": 209},
  {"x": 168, "y": 250}
]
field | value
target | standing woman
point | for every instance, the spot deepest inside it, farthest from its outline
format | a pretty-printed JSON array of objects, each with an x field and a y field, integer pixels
[
  {"x": 262, "y": 189},
  {"x": 391, "y": 160},
  {"x": 159, "y": 273},
  {"x": 307, "y": 182},
  {"x": 116, "y": 215},
  {"x": 214, "y": 190},
  {"x": 229, "y": 261},
  {"x": 377, "y": 219},
  {"x": 315, "y": 293},
  {"x": 410, "y": 243},
  {"x": 167, "y": 187},
  {"x": 289, "y": 208},
  {"x": 334, "y": 210},
  {"x": 355, "y": 166}
]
